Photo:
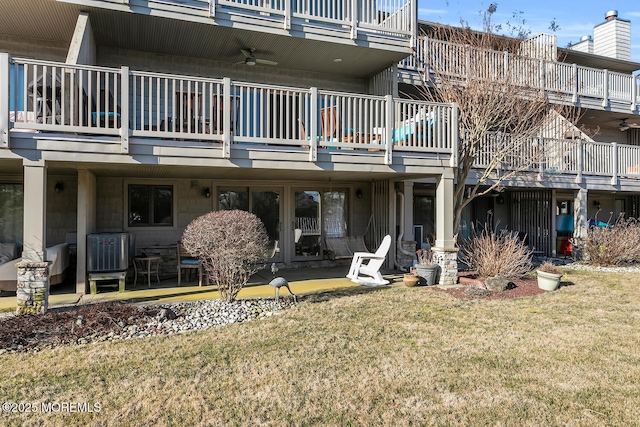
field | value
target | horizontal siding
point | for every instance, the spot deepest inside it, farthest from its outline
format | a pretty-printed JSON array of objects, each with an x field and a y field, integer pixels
[{"x": 147, "y": 61}]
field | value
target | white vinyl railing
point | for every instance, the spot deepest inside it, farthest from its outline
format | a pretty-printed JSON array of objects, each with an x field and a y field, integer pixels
[
  {"x": 558, "y": 156},
  {"x": 48, "y": 96},
  {"x": 169, "y": 106},
  {"x": 387, "y": 16},
  {"x": 456, "y": 60}
]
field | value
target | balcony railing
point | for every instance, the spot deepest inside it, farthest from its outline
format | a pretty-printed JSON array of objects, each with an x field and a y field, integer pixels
[
  {"x": 382, "y": 16},
  {"x": 566, "y": 80},
  {"x": 562, "y": 156},
  {"x": 55, "y": 97}
]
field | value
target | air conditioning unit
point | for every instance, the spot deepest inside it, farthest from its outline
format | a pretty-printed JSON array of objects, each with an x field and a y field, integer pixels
[{"x": 109, "y": 252}]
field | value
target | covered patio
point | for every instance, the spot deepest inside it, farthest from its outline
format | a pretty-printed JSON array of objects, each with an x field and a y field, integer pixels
[{"x": 303, "y": 281}]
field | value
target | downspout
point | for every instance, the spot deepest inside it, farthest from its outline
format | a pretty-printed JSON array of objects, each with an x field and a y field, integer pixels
[{"x": 399, "y": 246}]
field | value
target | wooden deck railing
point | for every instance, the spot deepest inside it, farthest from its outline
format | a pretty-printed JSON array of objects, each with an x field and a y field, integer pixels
[
  {"x": 56, "y": 97},
  {"x": 570, "y": 81}
]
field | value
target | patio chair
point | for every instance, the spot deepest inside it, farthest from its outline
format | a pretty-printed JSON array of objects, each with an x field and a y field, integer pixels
[
  {"x": 372, "y": 266},
  {"x": 188, "y": 263}
]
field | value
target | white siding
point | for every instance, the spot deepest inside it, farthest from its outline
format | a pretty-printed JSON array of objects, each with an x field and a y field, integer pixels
[
  {"x": 613, "y": 39},
  {"x": 147, "y": 61},
  {"x": 583, "y": 46}
]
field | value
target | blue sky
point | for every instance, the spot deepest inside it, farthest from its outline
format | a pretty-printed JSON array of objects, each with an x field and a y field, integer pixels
[{"x": 575, "y": 18}]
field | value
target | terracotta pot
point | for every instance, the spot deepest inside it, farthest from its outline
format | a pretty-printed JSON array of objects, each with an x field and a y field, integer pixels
[{"x": 410, "y": 280}]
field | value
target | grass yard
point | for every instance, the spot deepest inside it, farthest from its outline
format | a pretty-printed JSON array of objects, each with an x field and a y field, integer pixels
[{"x": 389, "y": 356}]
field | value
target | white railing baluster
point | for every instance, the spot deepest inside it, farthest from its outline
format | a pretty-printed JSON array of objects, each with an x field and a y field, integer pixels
[
  {"x": 313, "y": 126},
  {"x": 226, "y": 136},
  {"x": 124, "y": 109}
]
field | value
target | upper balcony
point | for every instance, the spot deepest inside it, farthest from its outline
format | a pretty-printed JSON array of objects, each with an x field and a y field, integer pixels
[
  {"x": 587, "y": 87},
  {"x": 366, "y": 35},
  {"x": 118, "y": 115},
  {"x": 604, "y": 165}
]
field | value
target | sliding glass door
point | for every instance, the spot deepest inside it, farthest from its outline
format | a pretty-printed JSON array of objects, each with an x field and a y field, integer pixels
[
  {"x": 318, "y": 214},
  {"x": 307, "y": 235},
  {"x": 263, "y": 203}
]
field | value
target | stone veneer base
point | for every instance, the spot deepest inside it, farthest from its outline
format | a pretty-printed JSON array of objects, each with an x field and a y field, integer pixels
[
  {"x": 448, "y": 260},
  {"x": 32, "y": 290}
]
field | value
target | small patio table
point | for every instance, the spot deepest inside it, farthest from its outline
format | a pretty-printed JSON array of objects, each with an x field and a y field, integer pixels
[{"x": 142, "y": 262}]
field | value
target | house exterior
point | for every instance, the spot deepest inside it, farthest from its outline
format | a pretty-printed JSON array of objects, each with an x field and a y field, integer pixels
[
  {"x": 139, "y": 116},
  {"x": 589, "y": 172}
]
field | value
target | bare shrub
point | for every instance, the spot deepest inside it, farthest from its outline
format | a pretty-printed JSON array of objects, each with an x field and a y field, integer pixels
[
  {"x": 494, "y": 254},
  {"x": 615, "y": 245},
  {"x": 548, "y": 267},
  {"x": 229, "y": 244}
]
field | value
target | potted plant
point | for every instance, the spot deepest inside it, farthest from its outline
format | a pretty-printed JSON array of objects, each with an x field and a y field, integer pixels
[
  {"x": 548, "y": 276},
  {"x": 427, "y": 267},
  {"x": 411, "y": 279}
]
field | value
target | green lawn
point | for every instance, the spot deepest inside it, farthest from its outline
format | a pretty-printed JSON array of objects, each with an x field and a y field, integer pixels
[{"x": 388, "y": 356}]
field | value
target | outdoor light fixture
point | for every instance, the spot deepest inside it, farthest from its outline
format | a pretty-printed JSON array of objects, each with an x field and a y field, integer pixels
[
  {"x": 500, "y": 199},
  {"x": 206, "y": 192},
  {"x": 596, "y": 204},
  {"x": 359, "y": 193},
  {"x": 58, "y": 187}
]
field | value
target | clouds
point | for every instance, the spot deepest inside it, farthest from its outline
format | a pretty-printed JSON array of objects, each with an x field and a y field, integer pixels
[{"x": 423, "y": 11}]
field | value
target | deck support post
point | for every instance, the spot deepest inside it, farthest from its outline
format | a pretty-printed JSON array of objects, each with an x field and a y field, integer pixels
[
  {"x": 580, "y": 225},
  {"x": 445, "y": 250}
]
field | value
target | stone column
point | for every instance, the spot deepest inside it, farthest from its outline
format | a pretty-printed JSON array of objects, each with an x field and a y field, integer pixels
[
  {"x": 445, "y": 250},
  {"x": 33, "y": 287},
  {"x": 448, "y": 261}
]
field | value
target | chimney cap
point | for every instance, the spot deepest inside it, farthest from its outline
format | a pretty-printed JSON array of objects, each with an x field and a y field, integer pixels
[{"x": 612, "y": 14}]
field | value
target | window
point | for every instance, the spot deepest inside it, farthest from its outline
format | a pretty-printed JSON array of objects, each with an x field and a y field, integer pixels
[
  {"x": 334, "y": 213},
  {"x": 11, "y": 213},
  {"x": 150, "y": 205},
  {"x": 233, "y": 199}
]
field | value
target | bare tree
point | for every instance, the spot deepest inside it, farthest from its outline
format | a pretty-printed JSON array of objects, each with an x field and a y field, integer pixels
[{"x": 501, "y": 86}]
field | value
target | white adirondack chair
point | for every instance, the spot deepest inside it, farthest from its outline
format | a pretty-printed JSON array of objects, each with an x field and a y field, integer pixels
[{"x": 369, "y": 264}]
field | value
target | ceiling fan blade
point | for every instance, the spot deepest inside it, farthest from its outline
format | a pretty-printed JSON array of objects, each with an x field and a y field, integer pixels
[
  {"x": 239, "y": 62},
  {"x": 633, "y": 125},
  {"x": 246, "y": 53},
  {"x": 266, "y": 62}
]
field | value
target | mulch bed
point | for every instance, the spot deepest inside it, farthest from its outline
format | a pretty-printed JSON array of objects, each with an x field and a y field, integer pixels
[
  {"x": 68, "y": 325},
  {"x": 517, "y": 289}
]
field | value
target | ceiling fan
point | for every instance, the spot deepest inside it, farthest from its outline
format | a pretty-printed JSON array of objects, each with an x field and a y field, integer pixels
[
  {"x": 623, "y": 126},
  {"x": 251, "y": 60}
]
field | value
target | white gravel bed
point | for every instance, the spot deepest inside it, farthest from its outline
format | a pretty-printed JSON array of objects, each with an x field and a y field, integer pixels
[
  {"x": 198, "y": 315},
  {"x": 587, "y": 267}
]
